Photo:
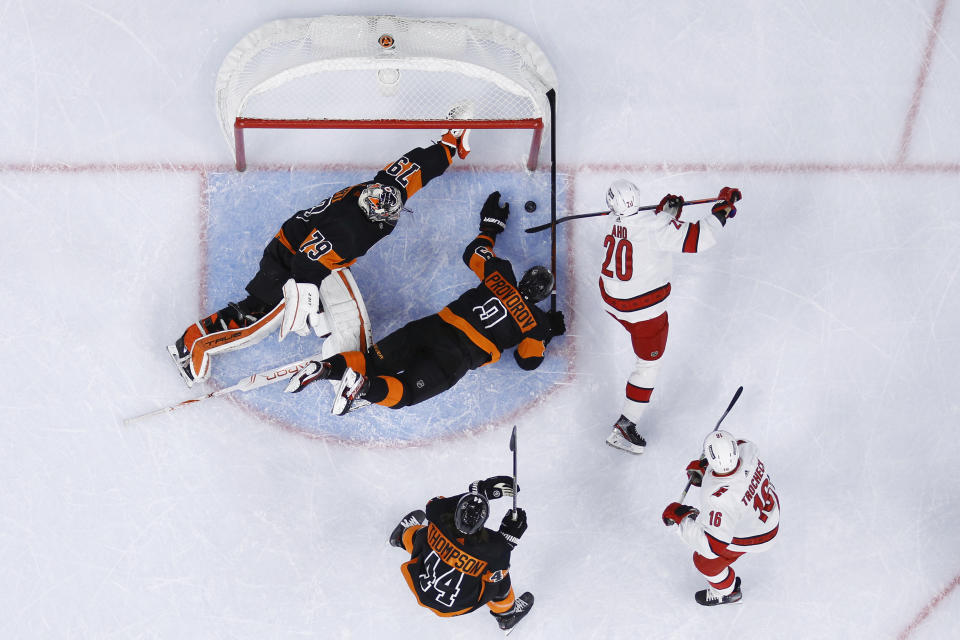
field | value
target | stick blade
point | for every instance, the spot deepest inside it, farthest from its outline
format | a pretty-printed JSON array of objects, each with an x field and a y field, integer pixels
[{"x": 513, "y": 439}]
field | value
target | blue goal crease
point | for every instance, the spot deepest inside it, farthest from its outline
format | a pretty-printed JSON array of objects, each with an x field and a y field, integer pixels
[{"x": 412, "y": 273}]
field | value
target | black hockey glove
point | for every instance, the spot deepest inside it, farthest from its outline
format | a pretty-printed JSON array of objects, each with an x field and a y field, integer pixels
[
  {"x": 695, "y": 471},
  {"x": 494, "y": 487},
  {"x": 557, "y": 326},
  {"x": 675, "y": 512},
  {"x": 512, "y": 529},
  {"x": 493, "y": 217}
]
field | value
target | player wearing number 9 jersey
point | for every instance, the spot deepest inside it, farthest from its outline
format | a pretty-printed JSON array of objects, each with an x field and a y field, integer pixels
[
  {"x": 635, "y": 284},
  {"x": 739, "y": 513}
]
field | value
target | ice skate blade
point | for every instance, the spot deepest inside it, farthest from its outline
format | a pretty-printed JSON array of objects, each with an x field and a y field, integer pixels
[
  {"x": 172, "y": 350},
  {"x": 617, "y": 441}
]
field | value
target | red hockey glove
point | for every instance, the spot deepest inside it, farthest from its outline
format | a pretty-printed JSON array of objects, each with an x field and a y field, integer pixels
[
  {"x": 695, "y": 471},
  {"x": 672, "y": 205},
  {"x": 675, "y": 512},
  {"x": 724, "y": 209}
]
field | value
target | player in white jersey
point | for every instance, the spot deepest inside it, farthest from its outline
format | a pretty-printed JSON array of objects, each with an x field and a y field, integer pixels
[
  {"x": 635, "y": 284},
  {"x": 739, "y": 513}
]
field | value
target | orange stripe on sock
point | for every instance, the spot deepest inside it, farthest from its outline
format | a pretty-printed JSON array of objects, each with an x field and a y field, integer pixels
[
  {"x": 356, "y": 361},
  {"x": 502, "y": 606},
  {"x": 394, "y": 391}
]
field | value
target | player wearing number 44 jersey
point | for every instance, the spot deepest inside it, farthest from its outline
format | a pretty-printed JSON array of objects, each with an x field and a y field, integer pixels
[
  {"x": 739, "y": 513},
  {"x": 635, "y": 283},
  {"x": 311, "y": 244},
  {"x": 456, "y": 564}
]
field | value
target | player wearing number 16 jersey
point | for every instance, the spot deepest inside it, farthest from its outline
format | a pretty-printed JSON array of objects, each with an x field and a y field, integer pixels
[
  {"x": 739, "y": 513},
  {"x": 635, "y": 284}
]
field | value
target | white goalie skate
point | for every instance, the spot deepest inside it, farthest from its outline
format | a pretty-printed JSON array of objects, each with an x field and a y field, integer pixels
[{"x": 350, "y": 393}]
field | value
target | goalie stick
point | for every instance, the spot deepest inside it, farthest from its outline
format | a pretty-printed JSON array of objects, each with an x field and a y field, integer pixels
[
  {"x": 249, "y": 383},
  {"x": 541, "y": 227},
  {"x": 736, "y": 396}
]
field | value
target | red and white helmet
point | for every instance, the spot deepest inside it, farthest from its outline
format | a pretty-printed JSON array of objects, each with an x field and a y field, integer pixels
[
  {"x": 623, "y": 198},
  {"x": 722, "y": 452}
]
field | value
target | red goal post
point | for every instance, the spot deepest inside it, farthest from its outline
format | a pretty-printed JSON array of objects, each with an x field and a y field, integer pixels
[{"x": 384, "y": 72}]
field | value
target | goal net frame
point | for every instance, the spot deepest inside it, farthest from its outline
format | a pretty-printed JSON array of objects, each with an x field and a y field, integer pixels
[{"x": 389, "y": 72}]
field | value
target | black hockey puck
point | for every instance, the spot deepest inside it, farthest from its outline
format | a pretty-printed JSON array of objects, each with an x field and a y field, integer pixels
[{"x": 530, "y": 206}]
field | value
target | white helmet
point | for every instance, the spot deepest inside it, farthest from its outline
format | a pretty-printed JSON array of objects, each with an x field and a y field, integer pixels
[
  {"x": 623, "y": 198},
  {"x": 722, "y": 452}
]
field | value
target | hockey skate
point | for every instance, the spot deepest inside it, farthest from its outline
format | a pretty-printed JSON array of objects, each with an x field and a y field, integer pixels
[
  {"x": 521, "y": 607},
  {"x": 458, "y": 139},
  {"x": 412, "y": 519},
  {"x": 315, "y": 370},
  {"x": 624, "y": 436},
  {"x": 350, "y": 393},
  {"x": 710, "y": 598}
]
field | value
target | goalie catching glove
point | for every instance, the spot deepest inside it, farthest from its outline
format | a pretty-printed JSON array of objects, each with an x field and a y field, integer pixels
[
  {"x": 493, "y": 217},
  {"x": 494, "y": 487},
  {"x": 676, "y": 512}
]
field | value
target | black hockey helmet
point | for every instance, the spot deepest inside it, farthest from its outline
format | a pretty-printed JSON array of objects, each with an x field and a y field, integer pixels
[
  {"x": 471, "y": 513},
  {"x": 536, "y": 284}
]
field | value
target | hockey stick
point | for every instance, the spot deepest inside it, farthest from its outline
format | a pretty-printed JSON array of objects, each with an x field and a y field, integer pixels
[
  {"x": 255, "y": 381},
  {"x": 516, "y": 488},
  {"x": 736, "y": 396},
  {"x": 541, "y": 227}
]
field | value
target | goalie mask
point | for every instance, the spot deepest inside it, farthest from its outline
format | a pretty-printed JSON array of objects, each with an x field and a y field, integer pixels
[
  {"x": 536, "y": 284},
  {"x": 623, "y": 198},
  {"x": 471, "y": 513},
  {"x": 381, "y": 203}
]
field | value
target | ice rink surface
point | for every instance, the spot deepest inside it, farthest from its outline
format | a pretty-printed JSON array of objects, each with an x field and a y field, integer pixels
[{"x": 833, "y": 299}]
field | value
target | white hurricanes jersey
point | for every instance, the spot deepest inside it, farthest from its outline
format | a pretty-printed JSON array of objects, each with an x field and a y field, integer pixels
[
  {"x": 638, "y": 261},
  {"x": 739, "y": 512}
]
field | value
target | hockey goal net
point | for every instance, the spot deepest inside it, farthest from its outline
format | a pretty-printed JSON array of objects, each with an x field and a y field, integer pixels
[{"x": 384, "y": 72}]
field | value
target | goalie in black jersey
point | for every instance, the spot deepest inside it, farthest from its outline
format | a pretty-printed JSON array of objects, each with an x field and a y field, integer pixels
[
  {"x": 456, "y": 564},
  {"x": 308, "y": 247},
  {"x": 430, "y": 355}
]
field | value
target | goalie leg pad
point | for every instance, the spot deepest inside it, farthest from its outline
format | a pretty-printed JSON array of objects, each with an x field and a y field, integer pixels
[
  {"x": 231, "y": 328},
  {"x": 345, "y": 314}
]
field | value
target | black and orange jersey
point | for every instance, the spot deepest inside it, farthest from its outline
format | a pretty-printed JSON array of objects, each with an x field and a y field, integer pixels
[
  {"x": 493, "y": 315},
  {"x": 452, "y": 574},
  {"x": 335, "y": 232}
]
